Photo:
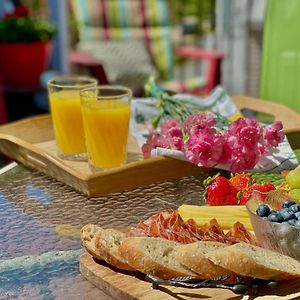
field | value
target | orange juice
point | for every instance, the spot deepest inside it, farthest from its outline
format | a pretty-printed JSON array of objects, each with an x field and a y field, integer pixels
[
  {"x": 106, "y": 124},
  {"x": 67, "y": 121}
]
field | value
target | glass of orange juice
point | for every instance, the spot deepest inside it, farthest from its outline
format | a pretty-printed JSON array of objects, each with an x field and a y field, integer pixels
[
  {"x": 66, "y": 115},
  {"x": 106, "y": 115}
]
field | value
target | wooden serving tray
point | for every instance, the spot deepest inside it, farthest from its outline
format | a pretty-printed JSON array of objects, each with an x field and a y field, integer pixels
[
  {"x": 31, "y": 142},
  {"x": 129, "y": 286}
]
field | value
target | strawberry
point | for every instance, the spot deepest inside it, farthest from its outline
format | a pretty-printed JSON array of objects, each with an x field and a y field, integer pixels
[
  {"x": 263, "y": 188},
  {"x": 246, "y": 195},
  {"x": 241, "y": 181},
  {"x": 221, "y": 192}
]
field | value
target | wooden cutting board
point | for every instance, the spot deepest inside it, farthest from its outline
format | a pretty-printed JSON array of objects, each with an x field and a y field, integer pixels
[{"x": 129, "y": 286}]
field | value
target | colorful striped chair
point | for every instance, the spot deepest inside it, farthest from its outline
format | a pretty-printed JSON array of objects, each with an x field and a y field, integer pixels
[{"x": 101, "y": 22}]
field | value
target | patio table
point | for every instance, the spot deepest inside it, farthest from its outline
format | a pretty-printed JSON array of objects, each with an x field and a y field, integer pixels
[{"x": 40, "y": 219}]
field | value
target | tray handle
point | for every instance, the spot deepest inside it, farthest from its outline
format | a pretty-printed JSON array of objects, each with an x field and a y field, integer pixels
[
  {"x": 33, "y": 157},
  {"x": 289, "y": 117}
]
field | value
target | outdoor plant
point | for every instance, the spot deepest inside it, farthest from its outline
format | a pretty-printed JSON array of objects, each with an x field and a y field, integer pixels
[{"x": 18, "y": 27}]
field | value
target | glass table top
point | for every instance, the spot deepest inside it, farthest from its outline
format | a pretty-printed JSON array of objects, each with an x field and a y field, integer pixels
[{"x": 40, "y": 220}]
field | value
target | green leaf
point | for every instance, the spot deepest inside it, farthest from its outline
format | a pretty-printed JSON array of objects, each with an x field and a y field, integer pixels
[{"x": 24, "y": 29}]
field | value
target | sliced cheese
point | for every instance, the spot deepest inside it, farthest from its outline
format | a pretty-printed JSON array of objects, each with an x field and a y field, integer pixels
[{"x": 225, "y": 215}]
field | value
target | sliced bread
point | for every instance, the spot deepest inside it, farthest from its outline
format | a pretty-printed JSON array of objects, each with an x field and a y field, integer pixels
[
  {"x": 248, "y": 260},
  {"x": 193, "y": 257},
  {"x": 88, "y": 235},
  {"x": 154, "y": 256},
  {"x": 103, "y": 244}
]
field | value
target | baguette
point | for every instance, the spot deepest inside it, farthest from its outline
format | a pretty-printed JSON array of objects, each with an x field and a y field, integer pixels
[
  {"x": 248, "y": 260},
  {"x": 103, "y": 245},
  {"x": 168, "y": 259},
  {"x": 192, "y": 256},
  {"x": 88, "y": 235},
  {"x": 154, "y": 256}
]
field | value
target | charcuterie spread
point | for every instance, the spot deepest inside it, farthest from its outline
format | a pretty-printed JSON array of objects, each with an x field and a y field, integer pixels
[
  {"x": 209, "y": 243},
  {"x": 166, "y": 247}
]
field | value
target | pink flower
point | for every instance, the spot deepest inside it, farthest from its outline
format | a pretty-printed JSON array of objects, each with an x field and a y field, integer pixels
[
  {"x": 169, "y": 124},
  {"x": 196, "y": 123},
  {"x": 176, "y": 143},
  {"x": 262, "y": 148},
  {"x": 238, "y": 147},
  {"x": 273, "y": 133},
  {"x": 204, "y": 149},
  {"x": 237, "y": 125},
  {"x": 171, "y": 134},
  {"x": 246, "y": 130},
  {"x": 153, "y": 142},
  {"x": 174, "y": 132},
  {"x": 243, "y": 159},
  {"x": 226, "y": 153},
  {"x": 170, "y": 137}
]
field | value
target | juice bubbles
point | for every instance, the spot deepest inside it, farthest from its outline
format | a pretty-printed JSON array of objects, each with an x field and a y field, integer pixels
[
  {"x": 64, "y": 98},
  {"x": 106, "y": 114},
  {"x": 67, "y": 122}
]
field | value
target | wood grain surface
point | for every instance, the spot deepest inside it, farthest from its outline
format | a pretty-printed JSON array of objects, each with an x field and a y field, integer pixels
[
  {"x": 31, "y": 142},
  {"x": 128, "y": 286}
]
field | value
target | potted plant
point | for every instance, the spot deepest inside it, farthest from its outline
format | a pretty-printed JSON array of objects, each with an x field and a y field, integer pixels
[{"x": 25, "y": 47}]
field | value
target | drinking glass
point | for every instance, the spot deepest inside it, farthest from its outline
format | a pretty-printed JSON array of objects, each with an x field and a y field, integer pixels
[
  {"x": 66, "y": 115},
  {"x": 106, "y": 115}
]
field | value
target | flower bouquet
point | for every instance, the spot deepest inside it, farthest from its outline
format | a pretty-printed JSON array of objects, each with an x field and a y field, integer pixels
[
  {"x": 205, "y": 141},
  {"x": 208, "y": 139}
]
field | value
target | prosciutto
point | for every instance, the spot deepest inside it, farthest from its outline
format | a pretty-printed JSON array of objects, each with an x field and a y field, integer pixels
[{"x": 169, "y": 225}]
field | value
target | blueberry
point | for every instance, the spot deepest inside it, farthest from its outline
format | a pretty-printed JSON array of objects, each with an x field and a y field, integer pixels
[
  {"x": 286, "y": 214},
  {"x": 297, "y": 215},
  {"x": 275, "y": 216},
  {"x": 297, "y": 223},
  {"x": 292, "y": 222},
  {"x": 263, "y": 210},
  {"x": 288, "y": 203},
  {"x": 294, "y": 208}
]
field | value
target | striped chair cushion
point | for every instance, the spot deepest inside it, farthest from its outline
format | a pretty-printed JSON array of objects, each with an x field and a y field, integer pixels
[
  {"x": 145, "y": 20},
  {"x": 125, "y": 62},
  {"x": 193, "y": 85}
]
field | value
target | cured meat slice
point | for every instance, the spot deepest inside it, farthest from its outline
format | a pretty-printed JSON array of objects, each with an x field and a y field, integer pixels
[
  {"x": 238, "y": 233},
  {"x": 168, "y": 224}
]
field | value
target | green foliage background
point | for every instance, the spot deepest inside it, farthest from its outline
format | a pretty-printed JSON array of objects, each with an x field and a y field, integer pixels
[{"x": 203, "y": 12}]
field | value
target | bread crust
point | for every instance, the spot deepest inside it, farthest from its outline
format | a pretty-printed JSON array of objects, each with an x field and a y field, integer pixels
[
  {"x": 245, "y": 264},
  {"x": 135, "y": 255},
  {"x": 112, "y": 257},
  {"x": 167, "y": 259},
  {"x": 193, "y": 257},
  {"x": 88, "y": 234},
  {"x": 94, "y": 240}
]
